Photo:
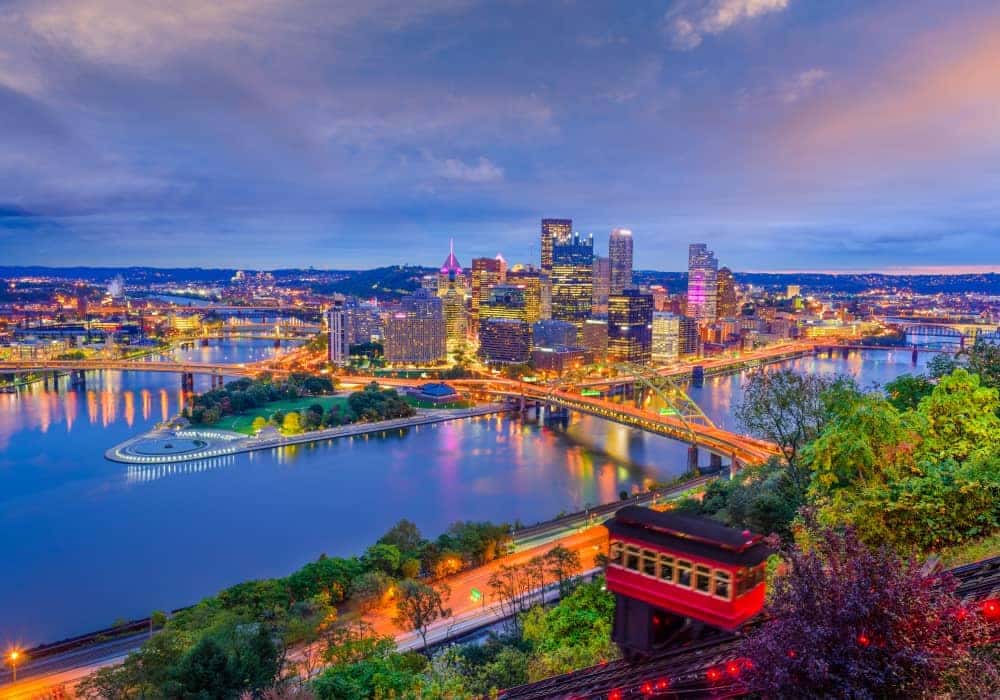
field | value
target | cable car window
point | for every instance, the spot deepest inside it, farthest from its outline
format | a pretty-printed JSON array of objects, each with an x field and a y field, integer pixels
[
  {"x": 667, "y": 568},
  {"x": 703, "y": 579},
  {"x": 615, "y": 553},
  {"x": 722, "y": 587},
  {"x": 649, "y": 562},
  {"x": 632, "y": 558},
  {"x": 683, "y": 573}
]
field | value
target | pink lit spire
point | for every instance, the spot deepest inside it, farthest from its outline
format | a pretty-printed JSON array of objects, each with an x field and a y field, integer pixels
[{"x": 451, "y": 265}]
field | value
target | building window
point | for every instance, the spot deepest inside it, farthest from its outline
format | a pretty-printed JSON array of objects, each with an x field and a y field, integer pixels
[
  {"x": 667, "y": 568},
  {"x": 632, "y": 558},
  {"x": 722, "y": 587},
  {"x": 649, "y": 562},
  {"x": 615, "y": 553},
  {"x": 703, "y": 579},
  {"x": 683, "y": 573}
]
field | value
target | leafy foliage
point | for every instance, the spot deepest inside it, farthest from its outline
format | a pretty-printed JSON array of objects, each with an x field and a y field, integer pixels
[{"x": 853, "y": 622}]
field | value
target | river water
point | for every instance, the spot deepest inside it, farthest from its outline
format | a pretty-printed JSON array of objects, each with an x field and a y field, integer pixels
[{"x": 86, "y": 541}]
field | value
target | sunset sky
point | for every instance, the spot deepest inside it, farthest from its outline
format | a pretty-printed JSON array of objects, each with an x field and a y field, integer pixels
[{"x": 786, "y": 134}]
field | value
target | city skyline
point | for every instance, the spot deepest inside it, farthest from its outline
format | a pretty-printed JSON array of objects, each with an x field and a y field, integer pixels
[{"x": 792, "y": 135}]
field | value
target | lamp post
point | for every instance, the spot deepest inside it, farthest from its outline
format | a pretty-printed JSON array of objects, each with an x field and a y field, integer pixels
[{"x": 13, "y": 657}]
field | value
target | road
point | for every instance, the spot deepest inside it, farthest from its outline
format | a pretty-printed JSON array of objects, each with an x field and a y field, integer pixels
[{"x": 580, "y": 533}]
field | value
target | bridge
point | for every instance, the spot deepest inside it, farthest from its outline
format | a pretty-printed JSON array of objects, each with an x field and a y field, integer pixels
[
  {"x": 944, "y": 334},
  {"x": 679, "y": 418}
]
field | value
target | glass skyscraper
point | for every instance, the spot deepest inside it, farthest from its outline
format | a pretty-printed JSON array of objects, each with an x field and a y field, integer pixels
[
  {"x": 573, "y": 279},
  {"x": 620, "y": 253},
  {"x": 703, "y": 289},
  {"x": 553, "y": 230}
]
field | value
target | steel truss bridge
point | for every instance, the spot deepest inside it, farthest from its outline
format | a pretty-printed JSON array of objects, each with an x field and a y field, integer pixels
[
  {"x": 229, "y": 370},
  {"x": 959, "y": 335},
  {"x": 680, "y": 418}
]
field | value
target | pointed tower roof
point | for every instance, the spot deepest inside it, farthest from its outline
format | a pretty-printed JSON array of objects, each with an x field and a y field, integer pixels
[{"x": 451, "y": 265}]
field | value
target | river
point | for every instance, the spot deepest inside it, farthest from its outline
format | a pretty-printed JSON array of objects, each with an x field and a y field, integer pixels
[{"x": 86, "y": 541}]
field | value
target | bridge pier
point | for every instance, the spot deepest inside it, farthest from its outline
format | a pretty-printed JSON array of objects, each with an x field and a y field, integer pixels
[
  {"x": 698, "y": 376},
  {"x": 913, "y": 357},
  {"x": 204, "y": 342},
  {"x": 277, "y": 342},
  {"x": 734, "y": 467},
  {"x": 715, "y": 461},
  {"x": 78, "y": 378},
  {"x": 693, "y": 459},
  {"x": 187, "y": 381}
]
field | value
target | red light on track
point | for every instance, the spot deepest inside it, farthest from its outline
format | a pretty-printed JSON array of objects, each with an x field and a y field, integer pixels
[
  {"x": 647, "y": 688},
  {"x": 792, "y": 654},
  {"x": 991, "y": 609},
  {"x": 615, "y": 695},
  {"x": 713, "y": 674},
  {"x": 733, "y": 669},
  {"x": 863, "y": 639},
  {"x": 662, "y": 684}
]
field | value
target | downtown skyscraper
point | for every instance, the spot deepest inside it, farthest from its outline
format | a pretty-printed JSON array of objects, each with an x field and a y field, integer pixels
[
  {"x": 573, "y": 279},
  {"x": 703, "y": 289},
  {"x": 620, "y": 253},
  {"x": 553, "y": 230}
]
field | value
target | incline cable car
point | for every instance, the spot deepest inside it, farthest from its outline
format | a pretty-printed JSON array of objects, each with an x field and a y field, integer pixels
[{"x": 667, "y": 568}]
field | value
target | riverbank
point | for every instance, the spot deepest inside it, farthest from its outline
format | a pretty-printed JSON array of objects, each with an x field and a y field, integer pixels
[{"x": 161, "y": 446}]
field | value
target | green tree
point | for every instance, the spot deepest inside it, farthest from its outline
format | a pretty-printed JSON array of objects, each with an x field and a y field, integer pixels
[
  {"x": 574, "y": 634},
  {"x": 961, "y": 417},
  {"x": 789, "y": 409},
  {"x": 259, "y": 423},
  {"x": 205, "y": 672},
  {"x": 906, "y": 390},
  {"x": 370, "y": 589},
  {"x": 404, "y": 535},
  {"x": 419, "y": 606},
  {"x": 382, "y": 557}
]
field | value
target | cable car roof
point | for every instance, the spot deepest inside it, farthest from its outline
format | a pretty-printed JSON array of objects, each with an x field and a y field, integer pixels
[{"x": 689, "y": 534}]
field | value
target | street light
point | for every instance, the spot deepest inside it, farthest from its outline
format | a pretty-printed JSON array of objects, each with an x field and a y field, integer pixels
[{"x": 13, "y": 658}]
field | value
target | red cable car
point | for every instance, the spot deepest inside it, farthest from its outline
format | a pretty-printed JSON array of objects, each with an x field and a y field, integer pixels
[{"x": 666, "y": 568}]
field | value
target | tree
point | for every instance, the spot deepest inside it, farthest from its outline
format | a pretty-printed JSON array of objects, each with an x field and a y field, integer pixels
[
  {"x": 205, "y": 672},
  {"x": 983, "y": 358},
  {"x": 961, "y": 417},
  {"x": 406, "y": 536},
  {"x": 562, "y": 564},
  {"x": 370, "y": 588},
  {"x": 906, "y": 390},
  {"x": 292, "y": 423},
  {"x": 259, "y": 423},
  {"x": 788, "y": 409},
  {"x": 382, "y": 557},
  {"x": 853, "y": 622},
  {"x": 419, "y": 606}
]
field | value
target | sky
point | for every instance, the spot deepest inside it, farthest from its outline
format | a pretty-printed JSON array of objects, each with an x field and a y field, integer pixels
[{"x": 787, "y": 134}]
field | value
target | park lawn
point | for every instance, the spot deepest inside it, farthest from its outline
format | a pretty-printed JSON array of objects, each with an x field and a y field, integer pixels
[
  {"x": 243, "y": 422},
  {"x": 417, "y": 403},
  {"x": 971, "y": 551}
]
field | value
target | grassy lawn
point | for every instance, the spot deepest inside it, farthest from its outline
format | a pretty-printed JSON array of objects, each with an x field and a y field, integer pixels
[
  {"x": 970, "y": 552},
  {"x": 242, "y": 422},
  {"x": 416, "y": 403}
]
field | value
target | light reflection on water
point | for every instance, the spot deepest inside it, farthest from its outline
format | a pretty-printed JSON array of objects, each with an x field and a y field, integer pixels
[{"x": 89, "y": 541}]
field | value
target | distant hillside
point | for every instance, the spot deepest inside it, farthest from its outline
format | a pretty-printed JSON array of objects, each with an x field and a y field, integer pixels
[
  {"x": 383, "y": 282},
  {"x": 845, "y": 283}
]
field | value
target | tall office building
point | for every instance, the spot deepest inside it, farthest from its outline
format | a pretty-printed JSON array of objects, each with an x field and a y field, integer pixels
[
  {"x": 602, "y": 284},
  {"x": 630, "y": 327},
  {"x": 537, "y": 291},
  {"x": 338, "y": 334},
  {"x": 666, "y": 337},
  {"x": 553, "y": 230},
  {"x": 573, "y": 279},
  {"x": 702, "y": 296},
  {"x": 726, "y": 287},
  {"x": 451, "y": 273},
  {"x": 505, "y": 301},
  {"x": 415, "y": 331},
  {"x": 553, "y": 334},
  {"x": 453, "y": 303},
  {"x": 620, "y": 254},
  {"x": 486, "y": 272},
  {"x": 504, "y": 341},
  {"x": 688, "y": 334}
]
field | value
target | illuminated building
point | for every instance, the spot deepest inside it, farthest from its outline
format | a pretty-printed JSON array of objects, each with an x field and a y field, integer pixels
[
  {"x": 486, "y": 272},
  {"x": 451, "y": 274},
  {"x": 560, "y": 359},
  {"x": 573, "y": 279},
  {"x": 688, "y": 334},
  {"x": 661, "y": 300},
  {"x": 594, "y": 337},
  {"x": 552, "y": 333},
  {"x": 630, "y": 327},
  {"x": 666, "y": 337},
  {"x": 726, "y": 293},
  {"x": 703, "y": 290},
  {"x": 415, "y": 332},
  {"x": 553, "y": 230},
  {"x": 505, "y": 301},
  {"x": 504, "y": 341},
  {"x": 338, "y": 334},
  {"x": 537, "y": 291},
  {"x": 792, "y": 291},
  {"x": 453, "y": 302},
  {"x": 602, "y": 284},
  {"x": 620, "y": 254}
]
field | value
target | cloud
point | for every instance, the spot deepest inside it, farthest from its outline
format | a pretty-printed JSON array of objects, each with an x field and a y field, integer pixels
[
  {"x": 799, "y": 86},
  {"x": 483, "y": 170},
  {"x": 689, "y": 21}
]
